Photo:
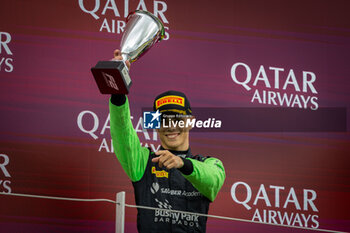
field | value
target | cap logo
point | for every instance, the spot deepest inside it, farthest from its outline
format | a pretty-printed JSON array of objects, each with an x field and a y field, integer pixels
[{"x": 170, "y": 99}]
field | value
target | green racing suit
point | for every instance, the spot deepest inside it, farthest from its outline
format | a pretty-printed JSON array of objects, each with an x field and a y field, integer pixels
[{"x": 191, "y": 188}]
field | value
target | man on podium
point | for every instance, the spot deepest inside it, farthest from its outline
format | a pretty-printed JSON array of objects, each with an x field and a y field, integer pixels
[{"x": 171, "y": 178}]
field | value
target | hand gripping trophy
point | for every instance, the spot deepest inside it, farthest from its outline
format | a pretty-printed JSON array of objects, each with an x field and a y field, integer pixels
[{"x": 142, "y": 31}]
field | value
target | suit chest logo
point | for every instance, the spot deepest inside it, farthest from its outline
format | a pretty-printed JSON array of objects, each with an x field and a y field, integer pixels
[{"x": 160, "y": 174}]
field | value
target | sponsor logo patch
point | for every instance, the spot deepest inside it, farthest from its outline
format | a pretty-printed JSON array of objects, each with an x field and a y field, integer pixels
[
  {"x": 160, "y": 173},
  {"x": 170, "y": 99}
]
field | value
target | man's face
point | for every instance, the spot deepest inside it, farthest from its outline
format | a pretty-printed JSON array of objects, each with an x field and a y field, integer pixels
[{"x": 173, "y": 135}]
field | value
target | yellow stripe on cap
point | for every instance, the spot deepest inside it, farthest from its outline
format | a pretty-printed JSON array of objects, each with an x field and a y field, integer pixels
[{"x": 170, "y": 99}]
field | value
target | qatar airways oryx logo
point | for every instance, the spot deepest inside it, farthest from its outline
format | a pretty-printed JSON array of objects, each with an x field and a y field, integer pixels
[
  {"x": 278, "y": 204},
  {"x": 277, "y": 86},
  {"x": 6, "y": 60},
  {"x": 111, "y": 14}
]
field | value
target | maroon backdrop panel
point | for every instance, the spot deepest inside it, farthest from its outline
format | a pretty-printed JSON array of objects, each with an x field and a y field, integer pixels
[{"x": 228, "y": 56}]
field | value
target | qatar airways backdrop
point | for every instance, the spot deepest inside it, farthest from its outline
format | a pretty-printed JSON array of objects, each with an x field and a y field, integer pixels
[{"x": 234, "y": 60}]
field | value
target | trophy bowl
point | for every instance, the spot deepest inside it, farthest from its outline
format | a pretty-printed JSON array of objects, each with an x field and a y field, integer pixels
[{"x": 142, "y": 31}]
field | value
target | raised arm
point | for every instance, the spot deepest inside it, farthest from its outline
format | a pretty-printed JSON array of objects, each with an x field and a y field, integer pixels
[{"x": 131, "y": 155}]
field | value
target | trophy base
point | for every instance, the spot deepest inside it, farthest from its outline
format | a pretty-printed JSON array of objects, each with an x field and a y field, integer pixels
[{"x": 112, "y": 77}]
